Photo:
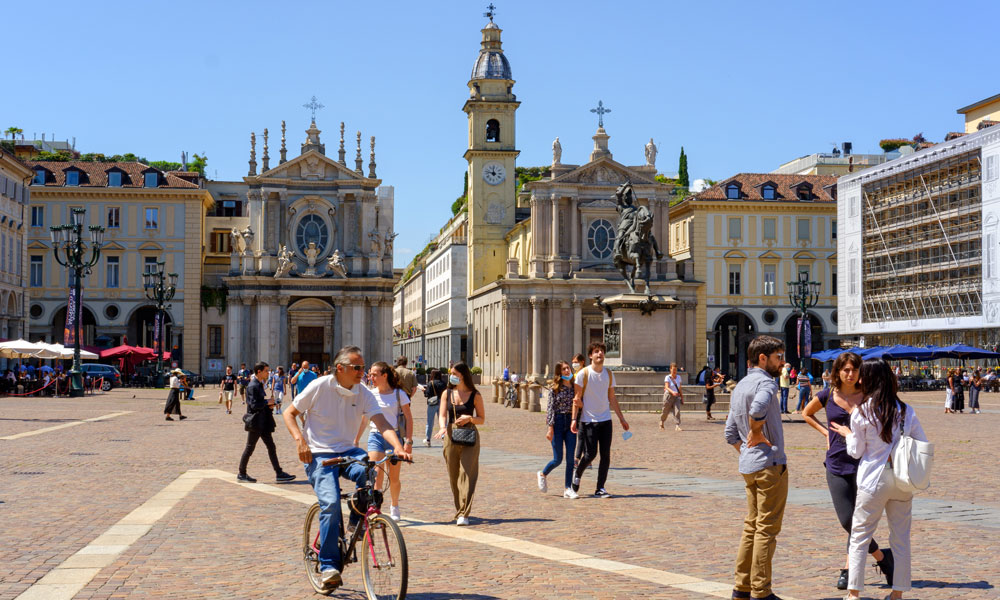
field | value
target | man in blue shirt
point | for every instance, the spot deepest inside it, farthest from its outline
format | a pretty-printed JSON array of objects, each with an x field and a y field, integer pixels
[
  {"x": 303, "y": 378},
  {"x": 754, "y": 429},
  {"x": 242, "y": 381}
]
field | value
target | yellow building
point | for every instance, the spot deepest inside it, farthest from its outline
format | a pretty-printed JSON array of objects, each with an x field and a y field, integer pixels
[
  {"x": 745, "y": 238},
  {"x": 981, "y": 114},
  {"x": 14, "y": 195},
  {"x": 149, "y": 216}
]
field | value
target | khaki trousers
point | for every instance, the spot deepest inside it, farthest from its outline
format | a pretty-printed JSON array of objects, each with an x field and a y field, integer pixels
[
  {"x": 671, "y": 406},
  {"x": 767, "y": 491},
  {"x": 463, "y": 472},
  {"x": 898, "y": 507}
]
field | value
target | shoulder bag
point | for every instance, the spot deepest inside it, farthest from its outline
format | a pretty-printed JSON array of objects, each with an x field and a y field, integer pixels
[
  {"x": 463, "y": 436},
  {"x": 400, "y": 420},
  {"x": 912, "y": 460}
]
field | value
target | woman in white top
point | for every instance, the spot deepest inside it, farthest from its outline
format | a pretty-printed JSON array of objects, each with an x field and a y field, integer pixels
[
  {"x": 395, "y": 405},
  {"x": 875, "y": 429}
]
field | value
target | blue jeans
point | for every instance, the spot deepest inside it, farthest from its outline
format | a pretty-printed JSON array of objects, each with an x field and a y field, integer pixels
[
  {"x": 432, "y": 416},
  {"x": 326, "y": 484},
  {"x": 784, "y": 399},
  {"x": 562, "y": 436}
]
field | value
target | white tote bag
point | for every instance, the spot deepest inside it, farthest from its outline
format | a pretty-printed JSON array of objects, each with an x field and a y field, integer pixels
[{"x": 912, "y": 460}]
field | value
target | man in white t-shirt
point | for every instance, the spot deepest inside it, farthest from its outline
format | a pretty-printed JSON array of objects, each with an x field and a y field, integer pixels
[
  {"x": 334, "y": 406},
  {"x": 673, "y": 397},
  {"x": 593, "y": 403}
]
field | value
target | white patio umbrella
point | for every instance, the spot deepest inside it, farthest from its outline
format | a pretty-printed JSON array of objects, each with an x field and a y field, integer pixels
[
  {"x": 47, "y": 351},
  {"x": 67, "y": 353},
  {"x": 18, "y": 349}
]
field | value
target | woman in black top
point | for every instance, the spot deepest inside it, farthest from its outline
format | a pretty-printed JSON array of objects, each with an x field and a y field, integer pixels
[
  {"x": 713, "y": 379},
  {"x": 842, "y": 468},
  {"x": 958, "y": 401},
  {"x": 432, "y": 391},
  {"x": 461, "y": 406},
  {"x": 558, "y": 416}
]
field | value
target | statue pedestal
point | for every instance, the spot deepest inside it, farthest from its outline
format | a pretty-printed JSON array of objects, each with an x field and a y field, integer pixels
[
  {"x": 234, "y": 264},
  {"x": 639, "y": 330},
  {"x": 268, "y": 264},
  {"x": 249, "y": 263}
]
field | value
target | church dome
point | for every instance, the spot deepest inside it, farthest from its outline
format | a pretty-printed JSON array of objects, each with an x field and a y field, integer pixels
[{"x": 491, "y": 65}]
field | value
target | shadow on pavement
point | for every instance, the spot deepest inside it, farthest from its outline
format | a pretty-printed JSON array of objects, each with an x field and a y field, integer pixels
[
  {"x": 39, "y": 420},
  {"x": 451, "y": 596},
  {"x": 972, "y": 585},
  {"x": 649, "y": 496},
  {"x": 480, "y": 521}
]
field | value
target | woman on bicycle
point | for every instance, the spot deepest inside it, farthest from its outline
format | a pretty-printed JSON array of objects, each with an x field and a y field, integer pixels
[
  {"x": 395, "y": 405},
  {"x": 461, "y": 406},
  {"x": 558, "y": 417},
  {"x": 840, "y": 400}
]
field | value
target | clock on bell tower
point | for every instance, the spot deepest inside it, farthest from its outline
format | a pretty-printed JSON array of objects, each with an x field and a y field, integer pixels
[{"x": 491, "y": 155}]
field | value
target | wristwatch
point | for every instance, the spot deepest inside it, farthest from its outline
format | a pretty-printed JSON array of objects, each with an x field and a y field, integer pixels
[{"x": 409, "y": 441}]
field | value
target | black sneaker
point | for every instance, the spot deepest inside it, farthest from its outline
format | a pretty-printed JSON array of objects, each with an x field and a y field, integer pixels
[
  {"x": 738, "y": 595},
  {"x": 602, "y": 493},
  {"x": 887, "y": 565},
  {"x": 244, "y": 478},
  {"x": 842, "y": 580},
  {"x": 183, "y": 417},
  {"x": 284, "y": 477}
]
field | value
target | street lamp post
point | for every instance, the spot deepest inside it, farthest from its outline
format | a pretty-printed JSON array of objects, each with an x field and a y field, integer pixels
[
  {"x": 160, "y": 292},
  {"x": 74, "y": 250},
  {"x": 803, "y": 295}
]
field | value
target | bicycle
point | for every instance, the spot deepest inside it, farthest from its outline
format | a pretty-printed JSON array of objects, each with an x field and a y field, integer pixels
[
  {"x": 510, "y": 399},
  {"x": 384, "y": 567}
]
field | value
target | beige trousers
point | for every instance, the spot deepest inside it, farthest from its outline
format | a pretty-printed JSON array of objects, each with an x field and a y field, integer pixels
[
  {"x": 898, "y": 507},
  {"x": 767, "y": 491},
  {"x": 463, "y": 472},
  {"x": 671, "y": 406}
]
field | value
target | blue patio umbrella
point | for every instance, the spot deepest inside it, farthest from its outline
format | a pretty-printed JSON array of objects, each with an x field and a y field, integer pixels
[
  {"x": 904, "y": 352},
  {"x": 963, "y": 352},
  {"x": 45, "y": 369}
]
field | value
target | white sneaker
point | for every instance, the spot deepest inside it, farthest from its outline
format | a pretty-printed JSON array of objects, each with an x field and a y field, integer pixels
[
  {"x": 462, "y": 521},
  {"x": 331, "y": 578},
  {"x": 394, "y": 513},
  {"x": 569, "y": 493},
  {"x": 543, "y": 483}
]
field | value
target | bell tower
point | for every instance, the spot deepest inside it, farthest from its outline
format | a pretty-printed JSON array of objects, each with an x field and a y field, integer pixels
[{"x": 491, "y": 155}]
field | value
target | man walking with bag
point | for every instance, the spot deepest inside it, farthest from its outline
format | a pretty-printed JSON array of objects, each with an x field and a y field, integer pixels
[
  {"x": 753, "y": 428},
  {"x": 259, "y": 424}
]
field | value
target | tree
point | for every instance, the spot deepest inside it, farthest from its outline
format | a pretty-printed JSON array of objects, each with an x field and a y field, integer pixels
[
  {"x": 165, "y": 165},
  {"x": 13, "y": 132},
  {"x": 198, "y": 163},
  {"x": 682, "y": 170}
]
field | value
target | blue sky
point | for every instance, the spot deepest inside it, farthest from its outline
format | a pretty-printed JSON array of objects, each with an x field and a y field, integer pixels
[{"x": 742, "y": 86}]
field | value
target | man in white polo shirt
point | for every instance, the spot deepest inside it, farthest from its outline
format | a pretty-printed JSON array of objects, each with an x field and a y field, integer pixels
[
  {"x": 594, "y": 400},
  {"x": 334, "y": 406}
]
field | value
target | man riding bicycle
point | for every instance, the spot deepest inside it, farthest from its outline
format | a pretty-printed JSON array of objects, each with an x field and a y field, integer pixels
[{"x": 334, "y": 406}]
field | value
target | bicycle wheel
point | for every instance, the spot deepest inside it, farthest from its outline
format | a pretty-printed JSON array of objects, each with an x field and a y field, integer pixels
[
  {"x": 310, "y": 550},
  {"x": 384, "y": 567}
]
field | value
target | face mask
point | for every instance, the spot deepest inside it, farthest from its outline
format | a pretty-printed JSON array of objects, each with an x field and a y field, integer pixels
[
  {"x": 567, "y": 377},
  {"x": 576, "y": 366},
  {"x": 454, "y": 380}
]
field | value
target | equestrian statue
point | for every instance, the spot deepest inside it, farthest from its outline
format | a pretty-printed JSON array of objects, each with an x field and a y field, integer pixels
[{"x": 635, "y": 243}]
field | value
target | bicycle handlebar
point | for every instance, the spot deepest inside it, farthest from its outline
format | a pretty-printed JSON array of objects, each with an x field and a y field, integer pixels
[{"x": 346, "y": 460}]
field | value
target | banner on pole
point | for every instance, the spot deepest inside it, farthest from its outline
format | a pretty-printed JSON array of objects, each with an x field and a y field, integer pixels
[
  {"x": 805, "y": 338},
  {"x": 157, "y": 325},
  {"x": 69, "y": 332}
]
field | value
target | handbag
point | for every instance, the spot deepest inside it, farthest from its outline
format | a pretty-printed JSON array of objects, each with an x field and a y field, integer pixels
[
  {"x": 463, "y": 436},
  {"x": 248, "y": 421},
  {"x": 912, "y": 461},
  {"x": 400, "y": 419}
]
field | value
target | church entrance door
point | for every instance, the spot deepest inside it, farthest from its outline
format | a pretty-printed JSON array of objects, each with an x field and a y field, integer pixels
[
  {"x": 311, "y": 346},
  {"x": 310, "y": 328}
]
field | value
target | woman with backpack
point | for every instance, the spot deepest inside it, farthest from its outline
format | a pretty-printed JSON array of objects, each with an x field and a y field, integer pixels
[
  {"x": 876, "y": 427},
  {"x": 395, "y": 405}
]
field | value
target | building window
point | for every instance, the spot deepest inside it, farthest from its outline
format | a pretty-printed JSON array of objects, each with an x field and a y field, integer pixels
[
  {"x": 492, "y": 130},
  {"x": 600, "y": 238},
  {"x": 39, "y": 177},
  {"x": 36, "y": 311},
  {"x": 151, "y": 180},
  {"x": 991, "y": 255},
  {"x": 770, "y": 276},
  {"x": 853, "y": 205},
  {"x": 770, "y": 228},
  {"x": 113, "y": 217},
  {"x": 111, "y": 311},
  {"x": 803, "y": 227},
  {"x": 734, "y": 280},
  {"x": 37, "y": 216},
  {"x": 833, "y": 282},
  {"x": 767, "y": 192},
  {"x": 72, "y": 178},
  {"x": 804, "y": 192},
  {"x": 112, "y": 276},
  {"x": 37, "y": 264},
  {"x": 215, "y": 340},
  {"x": 152, "y": 218},
  {"x": 733, "y": 192},
  {"x": 770, "y": 316},
  {"x": 114, "y": 179},
  {"x": 311, "y": 229},
  {"x": 735, "y": 228},
  {"x": 226, "y": 208},
  {"x": 221, "y": 242},
  {"x": 149, "y": 265},
  {"x": 990, "y": 168},
  {"x": 833, "y": 229}
]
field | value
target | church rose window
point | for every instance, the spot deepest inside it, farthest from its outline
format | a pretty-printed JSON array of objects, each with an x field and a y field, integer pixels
[
  {"x": 601, "y": 238},
  {"x": 311, "y": 229}
]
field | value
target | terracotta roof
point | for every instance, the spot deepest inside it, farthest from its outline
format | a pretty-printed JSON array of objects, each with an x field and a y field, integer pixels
[
  {"x": 953, "y": 135},
  {"x": 96, "y": 174},
  {"x": 751, "y": 185},
  {"x": 986, "y": 123}
]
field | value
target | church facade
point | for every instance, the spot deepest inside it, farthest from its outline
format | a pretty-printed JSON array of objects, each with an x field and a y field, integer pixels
[{"x": 311, "y": 270}]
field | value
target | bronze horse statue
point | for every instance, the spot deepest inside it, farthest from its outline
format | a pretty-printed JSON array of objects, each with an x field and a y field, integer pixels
[{"x": 635, "y": 244}]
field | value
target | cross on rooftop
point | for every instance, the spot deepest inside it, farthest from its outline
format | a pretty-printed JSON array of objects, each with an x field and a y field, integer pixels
[
  {"x": 313, "y": 105},
  {"x": 490, "y": 11},
  {"x": 601, "y": 111}
]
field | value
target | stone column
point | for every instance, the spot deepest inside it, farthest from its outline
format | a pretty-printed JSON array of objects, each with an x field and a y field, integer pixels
[
  {"x": 234, "y": 330},
  {"x": 690, "y": 349},
  {"x": 554, "y": 266},
  {"x": 574, "y": 235},
  {"x": 338, "y": 324},
  {"x": 537, "y": 268},
  {"x": 386, "y": 331},
  {"x": 284, "y": 356},
  {"x": 524, "y": 317},
  {"x": 677, "y": 347},
  {"x": 267, "y": 330},
  {"x": 577, "y": 325},
  {"x": 358, "y": 323},
  {"x": 536, "y": 335},
  {"x": 248, "y": 335}
]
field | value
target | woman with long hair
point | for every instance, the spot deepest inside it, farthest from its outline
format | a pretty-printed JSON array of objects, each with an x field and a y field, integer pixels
[
  {"x": 840, "y": 400},
  {"x": 461, "y": 407},
  {"x": 975, "y": 386},
  {"x": 876, "y": 427},
  {"x": 395, "y": 405},
  {"x": 949, "y": 394},
  {"x": 558, "y": 417},
  {"x": 958, "y": 397}
]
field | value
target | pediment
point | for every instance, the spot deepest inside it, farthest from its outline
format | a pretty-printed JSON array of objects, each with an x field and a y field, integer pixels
[
  {"x": 149, "y": 246},
  {"x": 735, "y": 254},
  {"x": 770, "y": 255},
  {"x": 112, "y": 245},
  {"x": 603, "y": 171},
  {"x": 599, "y": 203},
  {"x": 804, "y": 255},
  {"x": 36, "y": 245},
  {"x": 311, "y": 166}
]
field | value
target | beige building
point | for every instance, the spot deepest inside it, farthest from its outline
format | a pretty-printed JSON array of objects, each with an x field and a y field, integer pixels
[
  {"x": 15, "y": 177},
  {"x": 745, "y": 238},
  {"x": 148, "y": 216},
  {"x": 984, "y": 113}
]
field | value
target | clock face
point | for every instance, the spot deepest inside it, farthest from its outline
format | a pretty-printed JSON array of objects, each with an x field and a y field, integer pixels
[{"x": 494, "y": 173}]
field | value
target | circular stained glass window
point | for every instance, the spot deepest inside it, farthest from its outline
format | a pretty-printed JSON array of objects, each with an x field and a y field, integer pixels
[
  {"x": 601, "y": 238},
  {"x": 311, "y": 229}
]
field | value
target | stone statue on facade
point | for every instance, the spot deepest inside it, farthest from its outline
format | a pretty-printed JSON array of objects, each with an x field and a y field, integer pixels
[
  {"x": 651, "y": 153},
  {"x": 556, "y": 152},
  {"x": 235, "y": 237},
  {"x": 335, "y": 264},
  {"x": 376, "y": 239},
  {"x": 389, "y": 237},
  {"x": 285, "y": 263},
  {"x": 635, "y": 243},
  {"x": 247, "y": 235},
  {"x": 311, "y": 252}
]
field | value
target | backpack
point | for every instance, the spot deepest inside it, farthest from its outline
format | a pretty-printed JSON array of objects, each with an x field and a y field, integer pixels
[{"x": 912, "y": 461}]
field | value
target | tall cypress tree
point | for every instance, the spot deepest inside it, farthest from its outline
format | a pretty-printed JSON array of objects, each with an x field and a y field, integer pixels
[{"x": 682, "y": 170}]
